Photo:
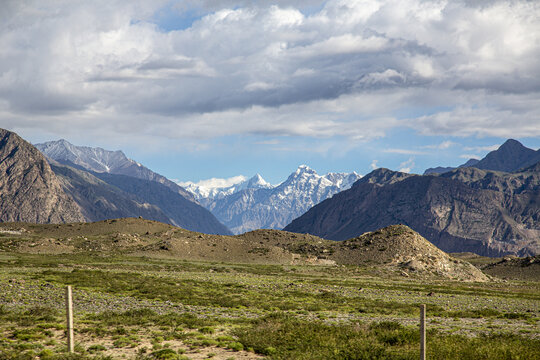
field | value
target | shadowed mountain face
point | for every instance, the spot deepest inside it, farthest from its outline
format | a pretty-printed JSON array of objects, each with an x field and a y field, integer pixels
[
  {"x": 99, "y": 200},
  {"x": 106, "y": 184},
  {"x": 181, "y": 211},
  {"x": 509, "y": 157},
  {"x": 29, "y": 190},
  {"x": 104, "y": 196},
  {"x": 485, "y": 212}
]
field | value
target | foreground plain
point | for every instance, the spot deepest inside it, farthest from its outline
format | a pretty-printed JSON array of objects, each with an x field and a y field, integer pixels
[{"x": 160, "y": 307}]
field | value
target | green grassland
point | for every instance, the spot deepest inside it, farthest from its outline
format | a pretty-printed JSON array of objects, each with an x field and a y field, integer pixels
[{"x": 149, "y": 308}]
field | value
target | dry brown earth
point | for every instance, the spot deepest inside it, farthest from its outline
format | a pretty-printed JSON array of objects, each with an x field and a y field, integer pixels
[{"x": 396, "y": 249}]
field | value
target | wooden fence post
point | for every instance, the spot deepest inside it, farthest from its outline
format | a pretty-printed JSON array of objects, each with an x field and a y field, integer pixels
[
  {"x": 423, "y": 332},
  {"x": 69, "y": 314}
]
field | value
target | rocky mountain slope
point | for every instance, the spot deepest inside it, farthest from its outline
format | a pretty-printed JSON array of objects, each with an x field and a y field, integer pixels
[
  {"x": 485, "y": 212},
  {"x": 262, "y": 207},
  {"x": 509, "y": 157},
  {"x": 29, "y": 190},
  {"x": 104, "y": 161},
  {"x": 99, "y": 200},
  {"x": 394, "y": 250}
]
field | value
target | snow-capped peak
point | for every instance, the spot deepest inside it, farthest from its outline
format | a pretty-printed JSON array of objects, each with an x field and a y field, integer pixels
[
  {"x": 94, "y": 159},
  {"x": 257, "y": 181},
  {"x": 218, "y": 188},
  {"x": 304, "y": 169},
  {"x": 275, "y": 207}
]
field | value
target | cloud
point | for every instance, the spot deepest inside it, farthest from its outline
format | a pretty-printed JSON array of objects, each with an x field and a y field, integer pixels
[
  {"x": 404, "y": 151},
  {"x": 314, "y": 69},
  {"x": 214, "y": 183},
  {"x": 374, "y": 165},
  {"x": 406, "y": 166},
  {"x": 482, "y": 148},
  {"x": 442, "y": 146}
]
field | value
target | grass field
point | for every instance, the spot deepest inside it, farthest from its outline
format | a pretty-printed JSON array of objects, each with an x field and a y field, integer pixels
[{"x": 135, "y": 307}]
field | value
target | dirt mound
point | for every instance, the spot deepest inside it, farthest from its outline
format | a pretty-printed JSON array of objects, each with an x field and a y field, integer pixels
[
  {"x": 396, "y": 248},
  {"x": 527, "y": 268},
  {"x": 400, "y": 247}
]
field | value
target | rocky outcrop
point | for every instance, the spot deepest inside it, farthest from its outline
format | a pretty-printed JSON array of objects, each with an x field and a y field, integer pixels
[
  {"x": 29, "y": 190},
  {"x": 395, "y": 249},
  {"x": 399, "y": 247}
]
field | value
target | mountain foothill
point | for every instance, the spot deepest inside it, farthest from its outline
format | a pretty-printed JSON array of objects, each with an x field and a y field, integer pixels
[{"x": 490, "y": 206}]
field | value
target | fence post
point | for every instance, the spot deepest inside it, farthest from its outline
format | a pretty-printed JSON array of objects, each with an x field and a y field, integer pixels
[
  {"x": 423, "y": 332},
  {"x": 69, "y": 314}
]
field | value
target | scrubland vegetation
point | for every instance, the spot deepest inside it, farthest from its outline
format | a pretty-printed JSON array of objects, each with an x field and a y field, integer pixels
[{"x": 141, "y": 308}]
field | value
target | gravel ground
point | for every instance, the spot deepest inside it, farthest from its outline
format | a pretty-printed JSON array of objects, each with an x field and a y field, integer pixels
[{"x": 19, "y": 292}]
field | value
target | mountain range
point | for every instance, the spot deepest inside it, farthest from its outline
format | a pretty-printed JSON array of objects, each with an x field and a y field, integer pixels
[
  {"x": 255, "y": 204},
  {"x": 206, "y": 194},
  {"x": 489, "y": 206},
  {"x": 486, "y": 211},
  {"x": 77, "y": 184}
]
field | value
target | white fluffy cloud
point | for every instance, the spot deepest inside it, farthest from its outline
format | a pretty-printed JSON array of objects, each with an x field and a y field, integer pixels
[
  {"x": 215, "y": 183},
  {"x": 407, "y": 166},
  {"x": 350, "y": 68}
]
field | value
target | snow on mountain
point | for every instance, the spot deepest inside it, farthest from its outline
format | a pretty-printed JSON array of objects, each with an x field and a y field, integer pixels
[
  {"x": 254, "y": 204},
  {"x": 209, "y": 190},
  {"x": 104, "y": 161},
  {"x": 93, "y": 159}
]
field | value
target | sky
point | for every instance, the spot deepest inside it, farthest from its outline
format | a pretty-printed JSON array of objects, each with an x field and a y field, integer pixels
[{"x": 218, "y": 89}]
